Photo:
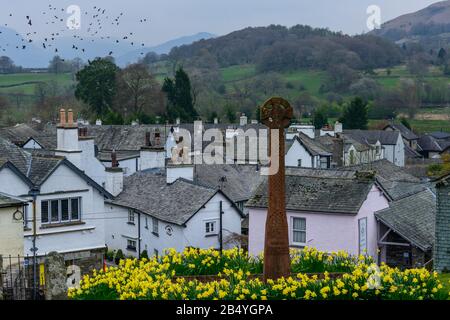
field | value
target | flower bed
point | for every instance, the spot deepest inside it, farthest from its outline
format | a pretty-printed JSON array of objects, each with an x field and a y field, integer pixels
[{"x": 174, "y": 277}]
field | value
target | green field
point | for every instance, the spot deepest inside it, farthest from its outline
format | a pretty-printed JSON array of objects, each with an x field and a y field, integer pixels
[
  {"x": 445, "y": 281},
  {"x": 25, "y": 83}
]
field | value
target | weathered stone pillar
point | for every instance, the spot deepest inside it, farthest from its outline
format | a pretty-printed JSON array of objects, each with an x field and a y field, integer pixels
[
  {"x": 55, "y": 277},
  {"x": 276, "y": 114}
]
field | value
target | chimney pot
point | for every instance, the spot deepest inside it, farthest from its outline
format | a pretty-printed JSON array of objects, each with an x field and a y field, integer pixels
[
  {"x": 70, "y": 117},
  {"x": 62, "y": 117},
  {"x": 114, "y": 162},
  {"x": 147, "y": 139}
]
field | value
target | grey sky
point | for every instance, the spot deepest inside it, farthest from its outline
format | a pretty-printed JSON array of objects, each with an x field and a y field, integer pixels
[{"x": 174, "y": 18}]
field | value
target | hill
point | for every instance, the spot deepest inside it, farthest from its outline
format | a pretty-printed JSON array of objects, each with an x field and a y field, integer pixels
[
  {"x": 278, "y": 48},
  {"x": 163, "y": 48},
  {"x": 430, "y": 25}
]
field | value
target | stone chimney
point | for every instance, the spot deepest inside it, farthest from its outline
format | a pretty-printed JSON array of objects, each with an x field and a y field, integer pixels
[
  {"x": 243, "y": 120},
  {"x": 338, "y": 151},
  {"x": 152, "y": 157},
  {"x": 114, "y": 176},
  {"x": 177, "y": 121},
  {"x": 216, "y": 120},
  {"x": 327, "y": 130},
  {"x": 441, "y": 250},
  {"x": 98, "y": 122},
  {"x": 67, "y": 138}
]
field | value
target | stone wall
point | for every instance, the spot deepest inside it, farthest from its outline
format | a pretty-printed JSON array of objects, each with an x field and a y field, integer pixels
[{"x": 441, "y": 253}]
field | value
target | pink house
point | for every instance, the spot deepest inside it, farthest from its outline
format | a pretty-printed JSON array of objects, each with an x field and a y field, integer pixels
[{"x": 326, "y": 209}]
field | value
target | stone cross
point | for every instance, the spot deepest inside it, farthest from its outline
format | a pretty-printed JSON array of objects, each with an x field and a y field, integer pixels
[{"x": 276, "y": 114}]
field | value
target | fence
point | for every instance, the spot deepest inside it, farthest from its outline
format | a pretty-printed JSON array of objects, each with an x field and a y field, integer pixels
[{"x": 20, "y": 280}]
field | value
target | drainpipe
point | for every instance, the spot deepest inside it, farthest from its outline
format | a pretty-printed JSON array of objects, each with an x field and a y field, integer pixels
[
  {"x": 34, "y": 192},
  {"x": 221, "y": 228},
  {"x": 139, "y": 235}
]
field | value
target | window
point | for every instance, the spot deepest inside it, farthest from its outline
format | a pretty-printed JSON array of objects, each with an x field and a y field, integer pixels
[
  {"x": 130, "y": 216},
  {"x": 299, "y": 230},
  {"x": 299, "y": 162},
  {"x": 146, "y": 223},
  {"x": 156, "y": 253},
  {"x": 352, "y": 157},
  {"x": 324, "y": 162},
  {"x": 210, "y": 227},
  {"x": 44, "y": 211},
  {"x": 155, "y": 226},
  {"x": 131, "y": 245},
  {"x": 60, "y": 210}
]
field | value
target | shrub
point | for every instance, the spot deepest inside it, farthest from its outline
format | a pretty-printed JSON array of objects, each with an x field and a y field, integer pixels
[
  {"x": 119, "y": 256},
  {"x": 144, "y": 254}
]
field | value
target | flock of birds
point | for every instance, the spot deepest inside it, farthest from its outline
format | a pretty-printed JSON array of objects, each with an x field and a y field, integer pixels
[{"x": 95, "y": 20}]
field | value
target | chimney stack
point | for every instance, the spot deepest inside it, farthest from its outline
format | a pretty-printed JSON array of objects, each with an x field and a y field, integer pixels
[
  {"x": 178, "y": 121},
  {"x": 216, "y": 120},
  {"x": 338, "y": 151},
  {"x": 67, "y": 138},
  {"x": 114, "y": 180},
  {"x": 243, "y": 120},
  {"x": 441, "y": 248},
  {"x": 98, "y": 122}
]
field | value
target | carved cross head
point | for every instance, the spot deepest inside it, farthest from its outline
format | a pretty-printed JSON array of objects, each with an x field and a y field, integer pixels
[{"x": 276, "y": 113}]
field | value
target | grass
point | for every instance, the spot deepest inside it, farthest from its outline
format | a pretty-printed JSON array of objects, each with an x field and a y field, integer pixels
[
  {"x": 23, "y": 85},
  {"x": 237, "y": 73},
  {"x": 445, "y": 281}
]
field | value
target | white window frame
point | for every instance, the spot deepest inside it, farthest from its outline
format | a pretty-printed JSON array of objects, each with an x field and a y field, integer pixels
[
  {"x": 60, "y": 218},
  {"x": 293, "y": 231},
  {"x": 131, "y": 247},
  {"x": 131, "y": 216},
  {"x": 208, "y": 230},
  {"x": 155, "y": 226}
]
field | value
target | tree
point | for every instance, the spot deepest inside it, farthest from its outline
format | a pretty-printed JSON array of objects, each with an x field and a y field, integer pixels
[
  {"x": 6, "y": 65},
  {"x": 320, "y": 119},
  {"x": 180, "y": 97},
  {"x": 355, "y": 115},
  {"x": 405, "y": 122},
  {"x": 138, "y": 92},
  {"x": 4, "y": 105},
  {"x": 97, "y": 85},
  {"x": 58, "y": 65}
]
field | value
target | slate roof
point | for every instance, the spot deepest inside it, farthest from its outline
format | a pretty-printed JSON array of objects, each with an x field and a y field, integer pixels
[
  {"x": 35, "y": 167},
  {"x": 313, "y": 146},
  {"x": 18, "y": 134},
  {"x": 384, "y": 169},
  {"x": 413, "y": 218},
  {"x": 7, "y": 200},
  {"x": 372, "y": 136},
  {"x": 440, "y": 135},
  {"x": 411, "y": 153},
  {"x": 428, "y": 143},
  {"x": 321, "y": 194},
  {"x": 241, "y": 180},
  {"x": 121, "y": 155},
  {"x": 406, "y": 133},
  {"x": 148, "y": 192}
]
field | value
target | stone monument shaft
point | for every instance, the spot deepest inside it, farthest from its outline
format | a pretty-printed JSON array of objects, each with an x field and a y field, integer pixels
[{"x": 276, "y": 114}]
